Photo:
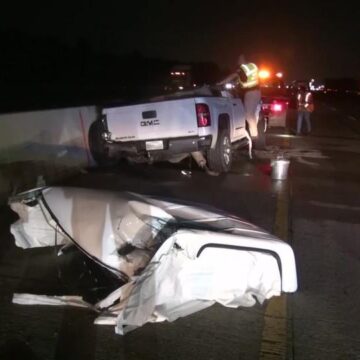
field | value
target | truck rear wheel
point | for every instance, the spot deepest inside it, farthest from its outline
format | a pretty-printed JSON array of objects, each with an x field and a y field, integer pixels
[
  {"x": 97, "y": 146},
  {"x": 220, "y": 158}
]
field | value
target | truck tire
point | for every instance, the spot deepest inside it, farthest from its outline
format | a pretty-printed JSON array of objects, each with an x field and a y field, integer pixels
[
  {"x": 220, "y": 158},
  {"x": 97, "y": 146}
]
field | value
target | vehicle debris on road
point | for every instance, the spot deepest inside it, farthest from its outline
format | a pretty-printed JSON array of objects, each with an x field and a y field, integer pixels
[{"x": 152, "y": 259}]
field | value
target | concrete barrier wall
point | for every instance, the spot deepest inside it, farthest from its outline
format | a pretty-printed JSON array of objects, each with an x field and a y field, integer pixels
[{"x": 51, "y": 143}]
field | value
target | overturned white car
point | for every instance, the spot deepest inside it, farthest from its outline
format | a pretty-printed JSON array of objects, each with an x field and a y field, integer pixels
[{"x": 158, "y": 260}]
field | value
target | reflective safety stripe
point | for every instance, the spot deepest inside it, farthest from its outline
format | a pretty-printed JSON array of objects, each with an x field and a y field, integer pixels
[
  {"x": 246, "y": 68},
  {"x": 250, "y": 84},
  {"x": 251, "y": 72}
]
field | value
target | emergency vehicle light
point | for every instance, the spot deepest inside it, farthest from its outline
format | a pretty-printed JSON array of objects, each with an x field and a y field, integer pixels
[{"x": 264, "y": 74}]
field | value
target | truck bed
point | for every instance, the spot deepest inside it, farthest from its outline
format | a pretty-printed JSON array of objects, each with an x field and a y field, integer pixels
[{"x": 152, "y": 120}]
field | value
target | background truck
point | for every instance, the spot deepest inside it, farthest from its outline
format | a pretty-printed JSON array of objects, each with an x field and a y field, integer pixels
[{"x": 206, "y": 123}]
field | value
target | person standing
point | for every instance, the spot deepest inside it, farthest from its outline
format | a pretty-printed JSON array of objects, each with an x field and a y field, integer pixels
[
  {"x": 247, "y": 80},
  {"x": 305, "y": 106}
]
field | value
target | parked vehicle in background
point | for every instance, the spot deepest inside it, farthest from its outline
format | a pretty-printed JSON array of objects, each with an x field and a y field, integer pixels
[
  {"x": 275, "y": 101},
  {"x": 206, "y": 123}
]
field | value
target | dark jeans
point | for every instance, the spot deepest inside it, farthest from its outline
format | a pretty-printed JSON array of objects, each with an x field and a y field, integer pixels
[{"x": 303, "y": 114}]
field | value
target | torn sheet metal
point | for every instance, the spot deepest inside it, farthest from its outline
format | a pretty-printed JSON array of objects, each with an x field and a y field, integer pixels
[
  {"x": 171, "y": 259},
  {"x": 31, "y": 299},
  {"x": 34, "y": 227},
  {"x": 121, "y": 234},
  {"x": 179, "y": 281}
]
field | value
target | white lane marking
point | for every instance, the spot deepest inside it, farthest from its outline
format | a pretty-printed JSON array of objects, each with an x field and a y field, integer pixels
[
  {"x": 352, "y": 118},
  {"x": 332, "y": 108},
  {"x": 335, "y": 206},
  {"x": 276, "y": 337},
  {"x": 301, "y": 160}
]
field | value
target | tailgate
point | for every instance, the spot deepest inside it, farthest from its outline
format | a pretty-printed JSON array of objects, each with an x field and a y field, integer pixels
[{"x": 156, "y": 120}]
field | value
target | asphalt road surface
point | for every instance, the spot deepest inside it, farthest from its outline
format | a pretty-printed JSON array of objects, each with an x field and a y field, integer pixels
[{"x": 317, "y": 210}]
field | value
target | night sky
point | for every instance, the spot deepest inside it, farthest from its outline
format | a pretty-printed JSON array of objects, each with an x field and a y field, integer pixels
[{"x": 304, "y": 39}]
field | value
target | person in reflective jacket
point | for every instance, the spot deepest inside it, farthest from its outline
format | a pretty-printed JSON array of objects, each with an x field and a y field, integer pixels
[
  {"x": 249, "y": 82},
  {"x": 305, "y": 106},
  {"x": 246, "y": 79}
]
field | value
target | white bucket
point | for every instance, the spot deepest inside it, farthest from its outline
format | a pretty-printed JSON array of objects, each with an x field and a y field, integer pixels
[{"x": 279, "y": 169}]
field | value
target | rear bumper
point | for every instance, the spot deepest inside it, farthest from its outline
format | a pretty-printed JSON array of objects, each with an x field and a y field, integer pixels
[
  {"x": 173, "y": 146},
  {"x": 275, "y": 118}
]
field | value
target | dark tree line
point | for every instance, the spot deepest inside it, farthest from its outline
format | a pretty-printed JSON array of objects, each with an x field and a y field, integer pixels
[{"x": 43, "y": 73}]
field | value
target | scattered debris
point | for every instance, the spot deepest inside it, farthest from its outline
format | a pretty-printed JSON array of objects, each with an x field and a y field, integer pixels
[
  {"x": 140, "y": 259},
  {"x": 186, "y": 173}
]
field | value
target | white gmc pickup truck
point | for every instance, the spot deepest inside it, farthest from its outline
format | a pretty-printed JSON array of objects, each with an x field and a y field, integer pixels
[{"x": 204, "y": 123}]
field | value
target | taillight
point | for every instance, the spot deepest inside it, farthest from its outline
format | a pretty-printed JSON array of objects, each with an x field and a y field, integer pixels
[
  {"x": 203, "y": 115},
  {"x": 276, "y": 107}
]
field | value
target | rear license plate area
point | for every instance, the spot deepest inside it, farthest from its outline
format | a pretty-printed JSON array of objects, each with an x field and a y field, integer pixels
[{"x": 154, "y": 145}]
